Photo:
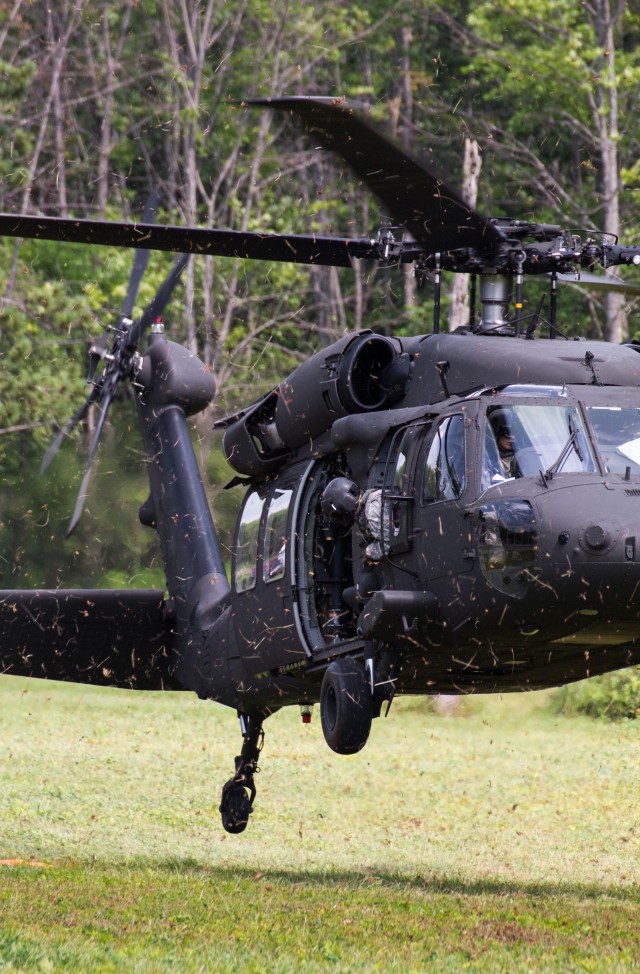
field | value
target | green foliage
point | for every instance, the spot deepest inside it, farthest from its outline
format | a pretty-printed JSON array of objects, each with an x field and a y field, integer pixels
[
  {"x": 109, "y": 547},
  {"x": 15, "y": 142},
  {"x": 542, "y": 81},
  {"x": 614, "y": 696}
]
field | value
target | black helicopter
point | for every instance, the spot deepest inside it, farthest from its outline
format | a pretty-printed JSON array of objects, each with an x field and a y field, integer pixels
[{"x": 446, "y": 513}]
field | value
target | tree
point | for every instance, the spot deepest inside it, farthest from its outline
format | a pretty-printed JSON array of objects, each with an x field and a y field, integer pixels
[{"x": 552, "y": 84}]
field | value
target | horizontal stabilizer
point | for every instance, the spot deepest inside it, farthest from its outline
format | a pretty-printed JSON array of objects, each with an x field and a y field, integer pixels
[{"x": 105, "y": 637}]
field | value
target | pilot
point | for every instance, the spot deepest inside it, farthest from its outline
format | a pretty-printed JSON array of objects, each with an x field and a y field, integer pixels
[
  {"x": 504, "y": 439},
  {"x": 343, "y": 501}
]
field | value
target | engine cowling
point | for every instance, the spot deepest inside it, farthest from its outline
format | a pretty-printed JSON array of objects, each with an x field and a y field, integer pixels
[
  {"x": 358, "y": 374},
  {"x": 347, "y": 377}
]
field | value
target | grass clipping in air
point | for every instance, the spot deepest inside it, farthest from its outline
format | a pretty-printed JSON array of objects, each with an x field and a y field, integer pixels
[{"x": 504, "y": 839}]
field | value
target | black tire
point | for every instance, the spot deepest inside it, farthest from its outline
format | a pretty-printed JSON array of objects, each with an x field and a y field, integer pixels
[
  {"x": 235, "y": 808},
  {"x": 345, "y": 706}
]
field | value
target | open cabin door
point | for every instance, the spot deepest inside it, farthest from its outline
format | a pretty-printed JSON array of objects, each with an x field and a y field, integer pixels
[{"x": 323, "y": 566}]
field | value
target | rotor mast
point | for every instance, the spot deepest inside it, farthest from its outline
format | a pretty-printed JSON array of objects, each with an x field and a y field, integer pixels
[{"x": 495, "y": 295}]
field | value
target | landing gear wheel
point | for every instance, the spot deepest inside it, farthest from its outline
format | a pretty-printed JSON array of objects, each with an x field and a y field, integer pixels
[
  {"x": 345, "y": 706},
  {"x": 235, "y": 807},
  {"x": 236, "y": 803}
]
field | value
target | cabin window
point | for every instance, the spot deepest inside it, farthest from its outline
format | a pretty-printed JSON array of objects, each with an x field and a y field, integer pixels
[
  {"x": 445, "y": 465},
  {"x": 617, "y": 434},
  {"x": 247, "y": 542},
  {"x": 275, "y": 537}
]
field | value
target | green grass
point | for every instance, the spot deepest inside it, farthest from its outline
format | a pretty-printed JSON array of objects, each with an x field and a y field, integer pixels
[{"x": 507, "y": 839}]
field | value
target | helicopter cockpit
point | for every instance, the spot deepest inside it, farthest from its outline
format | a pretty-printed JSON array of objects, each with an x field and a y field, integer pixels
[
  {"x": 523, "y": 439},
  {"x": 554, "y": 488},
  {"x": 560, "y": 435}
]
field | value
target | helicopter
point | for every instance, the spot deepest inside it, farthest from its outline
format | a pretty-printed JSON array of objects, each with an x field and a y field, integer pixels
[{"x": 445, "y": 513}]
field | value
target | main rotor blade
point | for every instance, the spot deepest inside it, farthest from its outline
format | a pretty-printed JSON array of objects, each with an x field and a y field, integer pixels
[
  {"x": 419, "y": 200},
  {"x": 292, "y": 248},
  {"x": 600, "y": 282}
]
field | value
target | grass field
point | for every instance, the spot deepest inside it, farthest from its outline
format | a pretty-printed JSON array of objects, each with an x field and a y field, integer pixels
[{"x": 504, "y": 840}]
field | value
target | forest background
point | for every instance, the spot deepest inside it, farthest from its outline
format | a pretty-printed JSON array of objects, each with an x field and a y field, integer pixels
[{"x": 102, "y": 103}]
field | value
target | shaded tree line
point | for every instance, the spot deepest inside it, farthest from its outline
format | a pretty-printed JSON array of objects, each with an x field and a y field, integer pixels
[{"x": 103, "y": 102}]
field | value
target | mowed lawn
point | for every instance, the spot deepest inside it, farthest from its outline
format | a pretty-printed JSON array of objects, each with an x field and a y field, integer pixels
[{"x": 507, "y": 839}]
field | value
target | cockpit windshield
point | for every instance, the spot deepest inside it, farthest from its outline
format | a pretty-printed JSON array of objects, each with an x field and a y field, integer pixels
[
  {"x": 524, "y": 440},
  {"x": 617, "y": 433}
]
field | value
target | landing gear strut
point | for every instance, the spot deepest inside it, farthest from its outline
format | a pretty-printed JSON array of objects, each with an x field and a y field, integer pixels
[{"x": 236, "y": 803}]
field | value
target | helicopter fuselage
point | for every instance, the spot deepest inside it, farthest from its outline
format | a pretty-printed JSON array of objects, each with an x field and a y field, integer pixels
[{"x": 486, "y": 580}]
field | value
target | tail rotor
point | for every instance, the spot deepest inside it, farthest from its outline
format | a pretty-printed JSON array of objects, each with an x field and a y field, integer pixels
[{"x": 116, "y": 350}]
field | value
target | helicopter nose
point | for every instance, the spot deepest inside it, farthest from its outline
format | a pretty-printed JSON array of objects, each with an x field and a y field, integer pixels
[
  {"x": 588, "y": 523},
  {"x": 589, "y": 539}
]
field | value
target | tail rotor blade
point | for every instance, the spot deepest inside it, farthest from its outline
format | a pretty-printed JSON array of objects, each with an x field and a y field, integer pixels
[
  {"x": 138, "y": 268},
  {"x": 103, "y": 408},
  {"x": 155, "y": 308},
  {"x": 67, "y": 429},
  {"x": 118, "y": 363},
  {"x": 127, "y": 339}
]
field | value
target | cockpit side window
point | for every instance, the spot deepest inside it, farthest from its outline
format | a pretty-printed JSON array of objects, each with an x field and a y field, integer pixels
[
  {"x": 247, "y": 542},
  {"x": 401, "y": 481},
  {"x": 444, "y": 473}
]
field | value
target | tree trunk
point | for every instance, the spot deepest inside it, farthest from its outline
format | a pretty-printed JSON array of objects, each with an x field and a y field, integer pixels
[
  {"x": 408, "y": 270},
  {"x": 606, "y": 119},
  {"x": 459, "y": 312}
]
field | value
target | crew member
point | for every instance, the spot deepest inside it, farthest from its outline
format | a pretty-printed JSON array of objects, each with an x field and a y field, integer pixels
[
  {"x": 342, "y": 500},
  {"x": 504, "y": 439}
]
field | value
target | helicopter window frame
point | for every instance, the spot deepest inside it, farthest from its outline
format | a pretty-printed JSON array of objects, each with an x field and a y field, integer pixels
[
  {"x": 247, "y": 541},
  {"x": 275, "y": 539},
  {"x": 399, "y": 490},
  {"x": 406, "y": 442},
  {"x": 436, "y": 447}
]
